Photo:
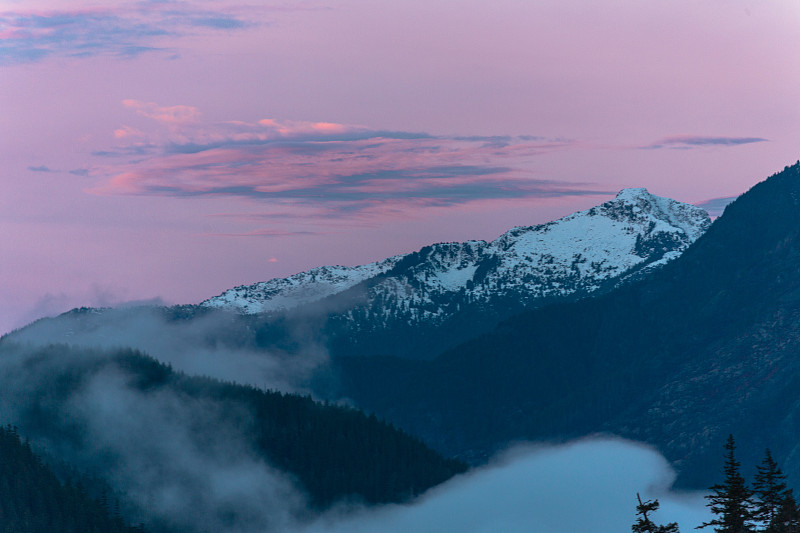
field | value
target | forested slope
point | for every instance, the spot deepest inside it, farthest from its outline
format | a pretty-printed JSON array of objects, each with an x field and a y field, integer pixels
[{"x": 710, "y": 345}]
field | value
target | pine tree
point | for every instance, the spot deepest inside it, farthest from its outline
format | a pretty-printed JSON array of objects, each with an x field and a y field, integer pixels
[
  {"x": 788, "y": 518},
  {"x": 770, "y": 490},
  {"x": 731, "y": 501},
  {"x": 643, "y": 523}
]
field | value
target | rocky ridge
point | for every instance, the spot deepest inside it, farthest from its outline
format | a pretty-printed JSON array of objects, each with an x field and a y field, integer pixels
[{"x": 575, "y": 255}]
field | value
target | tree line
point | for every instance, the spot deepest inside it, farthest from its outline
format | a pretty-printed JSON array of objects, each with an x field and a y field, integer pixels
[
  {"x": 766, "y": 506},
  {"x": 34, "y": 500}
]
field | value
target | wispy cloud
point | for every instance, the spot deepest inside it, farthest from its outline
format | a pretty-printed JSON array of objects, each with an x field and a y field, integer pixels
[
  {"x": 170, "y": 115},
  {"x": 344, "y": 170},
  {"x": 267, "y": 233},
  {"x": 125, "y": 31},
  {"x": 684, "y": 142},
  {"x": 75, "y": 172},
  {"x": 716, "y": 206}
]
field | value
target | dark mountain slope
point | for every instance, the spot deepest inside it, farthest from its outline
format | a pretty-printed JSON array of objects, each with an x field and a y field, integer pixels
[
  {"x": 33, "y": 499},
  {"x": 706, "y": 346},
  {"x": 419, "y": 304}
]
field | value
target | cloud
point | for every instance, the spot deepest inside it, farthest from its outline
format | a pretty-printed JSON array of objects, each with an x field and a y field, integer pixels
[
  {"x": 126, "y": 131},
  {"x": 52, "y": 304},
  {"x": 218, "y": 22},
  {"x": 166, "y": 459},
  {"x": 588, "y": 485},
  {"x": 75, "y": 172},
  {"x": 683, "y": 142},
  {"x": 181, "y": 463},
  {"x": 124, "y": 31},
  {"x": 267, "y": 233},
  {"x": 171, "y": 115},
  {"x": 337, "y": 170},
  {"x": 716, "y": 206},
  {"x": 185, "y": 345}
]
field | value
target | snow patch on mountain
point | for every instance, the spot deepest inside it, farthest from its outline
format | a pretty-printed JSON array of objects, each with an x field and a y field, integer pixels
[{"x": 280, "y": 294}]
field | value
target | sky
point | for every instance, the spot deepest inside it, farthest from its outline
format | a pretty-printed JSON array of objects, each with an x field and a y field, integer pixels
[{"x": 166, "y": 150}]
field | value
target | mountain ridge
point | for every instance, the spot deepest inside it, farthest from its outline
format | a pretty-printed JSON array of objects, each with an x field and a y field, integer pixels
[
  {"x": 707, "y": 346},
  {"x": 665, "y": 226},
  {"x": 421, "y": 303}
]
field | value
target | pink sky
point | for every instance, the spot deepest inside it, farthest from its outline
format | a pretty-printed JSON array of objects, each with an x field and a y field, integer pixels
[{"x": 171, "y": 149}]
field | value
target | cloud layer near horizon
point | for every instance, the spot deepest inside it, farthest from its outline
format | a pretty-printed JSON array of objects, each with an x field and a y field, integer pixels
[{"x": 684, "y": 142}]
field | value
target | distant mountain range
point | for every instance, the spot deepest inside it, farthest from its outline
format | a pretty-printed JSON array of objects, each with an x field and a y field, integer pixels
[
  {"x": 418, "y": 304},
  {"x": 706, "y": 346}
]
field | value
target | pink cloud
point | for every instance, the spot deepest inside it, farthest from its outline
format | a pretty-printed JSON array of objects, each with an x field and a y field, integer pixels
[
  {"x": 123, "y": 183},
  {"x": 329, "y": 127},
  {"x": 296, "y": 128},
  {"x": 127, "y": 131},
  {"x": 342, "y": 170}
]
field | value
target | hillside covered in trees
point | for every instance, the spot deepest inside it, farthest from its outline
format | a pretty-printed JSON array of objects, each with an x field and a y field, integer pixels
[
  {"x": 154, "y": 434},
  {"x": 704, "y": 347},
  {"x": 34, "y": 500}
]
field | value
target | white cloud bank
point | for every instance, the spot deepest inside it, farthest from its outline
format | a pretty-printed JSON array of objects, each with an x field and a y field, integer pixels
[{"x": 585, "y": 486}]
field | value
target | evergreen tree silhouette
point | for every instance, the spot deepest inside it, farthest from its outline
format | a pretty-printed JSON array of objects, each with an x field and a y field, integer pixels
[
  {"x": 788, "y": 518},
  {"x": 643, "y": 523},
  {"x": 769, "y": 489},
  {"x": 731, "y": 501}
]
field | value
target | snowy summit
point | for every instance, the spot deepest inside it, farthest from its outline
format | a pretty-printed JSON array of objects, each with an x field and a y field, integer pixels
[{"x": 580, "y": 253}]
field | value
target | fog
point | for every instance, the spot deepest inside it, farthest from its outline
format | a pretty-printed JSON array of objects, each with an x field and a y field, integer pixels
[
  {"x": 585, "y": 486},
  {"x": 180, "y": 462},
  {"x": 185, "y": 464},
  {"x": 213, "y": 344}
]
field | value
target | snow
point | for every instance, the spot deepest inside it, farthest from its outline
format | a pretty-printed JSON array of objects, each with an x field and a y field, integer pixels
[
  {"x": 280, "y": 294},
  {"x": 577, "y": 252},
  {"x": 456, "y": 278}
]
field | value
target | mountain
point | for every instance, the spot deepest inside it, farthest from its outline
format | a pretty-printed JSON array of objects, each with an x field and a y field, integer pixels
[
  {"x": 707, "y": 346},
  {"x": 418, "y": 304},
  {"x": 193, "y": 454}
]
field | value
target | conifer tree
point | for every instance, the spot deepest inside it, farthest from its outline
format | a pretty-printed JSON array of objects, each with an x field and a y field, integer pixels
[
  {"x": 643, "y": 523},
  {"x": 731, "y": 501},
  {"x": 788, "y": 518},
  {"x": 769, "y": 489}
]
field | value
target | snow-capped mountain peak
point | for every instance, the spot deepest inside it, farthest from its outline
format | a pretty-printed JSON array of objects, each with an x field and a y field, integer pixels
[{"x": 580, "y": 253}]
